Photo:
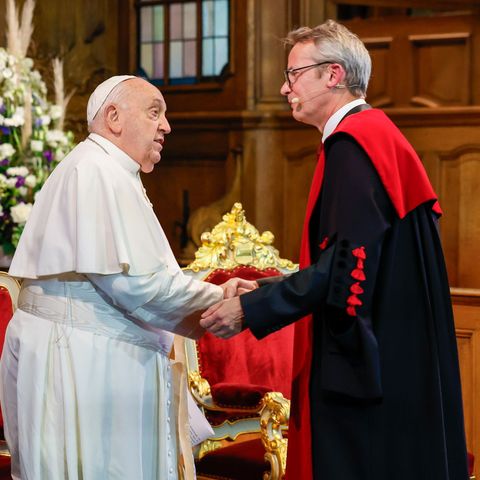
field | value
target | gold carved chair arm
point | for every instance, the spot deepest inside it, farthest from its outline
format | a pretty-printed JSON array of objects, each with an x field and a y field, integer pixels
[{"x": 274, "y": 420}]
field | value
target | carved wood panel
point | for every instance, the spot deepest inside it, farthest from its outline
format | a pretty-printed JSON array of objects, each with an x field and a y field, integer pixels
[
  {"x": 442, "y": 69},
  {"x": 380, "y": 88},
  {"x": 422, "y": 62}
]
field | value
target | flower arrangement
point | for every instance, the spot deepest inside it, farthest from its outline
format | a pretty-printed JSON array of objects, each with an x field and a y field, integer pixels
[{"x": 32, "y": 140}]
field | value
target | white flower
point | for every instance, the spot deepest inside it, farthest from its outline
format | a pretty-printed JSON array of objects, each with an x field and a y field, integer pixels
[
  {"x": 36, "y": 145},
  {"x": 56, "y": 138},
  {"x": 30, "y": 181},
  {"x": 23, "y": 191},
  {"x": 45, "y": 119},
  {"x": 21, "y": 212},
  {"x": 6, "y": 150},
  {"x": 7, "y": 73},
  {"x": 17, "y": 171},
  {"x": 55, "y": 111},
  {"x": 3, "y": 178},
  {"x": 1, "y": 209},
  {"x": 17, "y": 119},
  {"x": 11, "y": 182}
]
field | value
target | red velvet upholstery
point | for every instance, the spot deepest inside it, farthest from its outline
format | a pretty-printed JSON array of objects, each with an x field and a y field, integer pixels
[
  {"x": 239, "y": 461},
  {"x": 5, "y": 468},
  {"x": 6, "y": 312},
  {"x": 471, "y": 463},
  {"x": 243, "y": 359},
  {"x": 238, "y": 395}
]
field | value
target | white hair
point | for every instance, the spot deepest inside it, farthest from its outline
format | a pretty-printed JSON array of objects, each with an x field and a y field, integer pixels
[{"x": 337, "y": 44}]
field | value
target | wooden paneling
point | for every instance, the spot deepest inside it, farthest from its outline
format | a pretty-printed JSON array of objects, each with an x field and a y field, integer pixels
[
  {"x": 466, "y": 309},
  {"x": 380, "y": 88},
  {"x": 442, "y": 69},
  {"x": 451, "y": 155},
  {"x": 425, "y": 62}
]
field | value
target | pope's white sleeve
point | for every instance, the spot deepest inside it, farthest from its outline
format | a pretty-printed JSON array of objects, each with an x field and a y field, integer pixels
[{"x": 160, "y": 298}]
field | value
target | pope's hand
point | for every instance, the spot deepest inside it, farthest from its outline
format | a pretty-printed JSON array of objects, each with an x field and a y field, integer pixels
[
  {"x": 224, "y": 319},
  {"x": 237, "y": 286}
]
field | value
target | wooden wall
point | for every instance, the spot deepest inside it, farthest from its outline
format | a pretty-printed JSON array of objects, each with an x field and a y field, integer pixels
[{"x": 426, "y": 75}]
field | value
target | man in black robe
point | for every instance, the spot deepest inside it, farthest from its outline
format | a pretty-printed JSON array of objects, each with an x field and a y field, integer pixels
[{"x": 376, "y": 386}]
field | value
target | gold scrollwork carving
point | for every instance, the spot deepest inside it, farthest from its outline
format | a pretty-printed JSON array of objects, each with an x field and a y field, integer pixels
[
  {"x": 198, "y": 384},
  {"x": 234, "y": 242},
  {"x": 208, "y": 446},
  {"x": 275, "y": 415}
]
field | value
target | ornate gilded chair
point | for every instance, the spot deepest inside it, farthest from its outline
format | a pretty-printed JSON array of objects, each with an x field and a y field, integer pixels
[
  {"x": 242, "y": 384},
  {"x": 9, "y": 290}
]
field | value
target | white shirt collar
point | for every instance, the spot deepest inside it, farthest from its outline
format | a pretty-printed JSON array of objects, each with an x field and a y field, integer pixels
[
  {"x": 335, "y": 119},
  {"x": 116, "y": 153}
]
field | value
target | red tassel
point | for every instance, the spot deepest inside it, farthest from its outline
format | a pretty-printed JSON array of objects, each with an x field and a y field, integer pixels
[
  {"x": 360, "y": 253},
  {"x": 358, "y": 274},
  {"x": 354, "y": 301},
  {"x": 356, "y": 288},
  {"x": 324, "y": 244},
  {"x": 360, "y": 264},
  {"x": 351, "y": 311}
]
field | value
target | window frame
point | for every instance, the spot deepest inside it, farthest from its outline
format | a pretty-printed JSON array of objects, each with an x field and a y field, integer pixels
[{"x": 201, "y": 82}]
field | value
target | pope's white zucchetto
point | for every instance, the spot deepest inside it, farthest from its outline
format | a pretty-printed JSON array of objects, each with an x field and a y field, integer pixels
[{"x": 100, "y": 94}]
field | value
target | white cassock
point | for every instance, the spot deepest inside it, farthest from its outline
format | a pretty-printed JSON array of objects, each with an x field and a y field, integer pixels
[{"x": 88, "y": 390}]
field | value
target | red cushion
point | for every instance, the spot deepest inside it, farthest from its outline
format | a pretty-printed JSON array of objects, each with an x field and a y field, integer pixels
[
  {"x": 238, "y": 395},
  {"x": 236, "y": 462},
  {"x": 6, "y": 313},
  {"x": 243, "y": 359}
]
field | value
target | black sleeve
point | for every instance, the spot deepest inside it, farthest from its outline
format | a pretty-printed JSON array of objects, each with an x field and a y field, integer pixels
[{"x": 353, "y": 216}]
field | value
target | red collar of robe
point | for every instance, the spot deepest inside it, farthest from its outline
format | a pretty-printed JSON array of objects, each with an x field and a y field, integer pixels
[{"x": 395, "y": 162}]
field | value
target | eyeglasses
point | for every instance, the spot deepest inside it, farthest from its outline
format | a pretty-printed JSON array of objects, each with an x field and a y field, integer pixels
[{"x": 292, "y": 73}]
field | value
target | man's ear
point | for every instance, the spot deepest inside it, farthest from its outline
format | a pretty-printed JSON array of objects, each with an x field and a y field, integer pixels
[
  {"x": 336, "y": 75},
  {"x": 112, "y": 119}
]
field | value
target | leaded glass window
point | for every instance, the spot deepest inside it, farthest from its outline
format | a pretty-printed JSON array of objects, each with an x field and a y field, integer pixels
[{"x": 183, "y": 42}]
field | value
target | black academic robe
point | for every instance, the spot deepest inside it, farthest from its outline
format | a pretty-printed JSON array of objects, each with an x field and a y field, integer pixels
[{"x": 385, "y": 396}]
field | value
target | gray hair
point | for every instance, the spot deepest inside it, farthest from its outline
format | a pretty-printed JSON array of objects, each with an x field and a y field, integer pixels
[
  {"x": 119, "y": 96},
  {"x": 336, "y": 43}
]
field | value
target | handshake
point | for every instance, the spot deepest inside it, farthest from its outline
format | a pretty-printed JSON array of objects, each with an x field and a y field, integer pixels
[{"x": 225, "y": 319}]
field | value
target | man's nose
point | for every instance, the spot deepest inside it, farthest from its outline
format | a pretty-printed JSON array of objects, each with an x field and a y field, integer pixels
[
  {"x": 164, "y": 126},
  {"x": 285, "y": 89}
]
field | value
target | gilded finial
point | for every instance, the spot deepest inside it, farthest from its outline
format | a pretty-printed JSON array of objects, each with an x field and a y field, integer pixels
[{"x": 233, "y": 242}]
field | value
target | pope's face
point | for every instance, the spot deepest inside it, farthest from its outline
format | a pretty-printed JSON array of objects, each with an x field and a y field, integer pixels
[{"x": 144, "y": 124}]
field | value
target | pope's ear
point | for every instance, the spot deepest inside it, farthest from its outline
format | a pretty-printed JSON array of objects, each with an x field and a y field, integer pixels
[{"x": 112, "y": 118}]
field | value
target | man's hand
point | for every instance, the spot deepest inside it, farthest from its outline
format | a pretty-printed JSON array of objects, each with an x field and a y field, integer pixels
[
  {"x": 237, "y": 286},
  {"x": 224, "y": 319}
]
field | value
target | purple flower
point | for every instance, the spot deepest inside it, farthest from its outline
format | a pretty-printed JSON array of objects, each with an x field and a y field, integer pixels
[
  {"x": 3, "y": 109},
  {"x": 48, "y": 155},
  {"x": 38, "y": 122},
  {"x": 5, "y": 130},
  {"x": 4, "y": 162},
  {"x": 20, "y": 182}
]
